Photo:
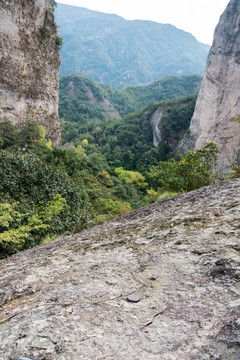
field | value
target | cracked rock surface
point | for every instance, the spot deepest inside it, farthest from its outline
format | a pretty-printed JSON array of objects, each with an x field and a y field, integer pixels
[{"x": 67, "y": 300}]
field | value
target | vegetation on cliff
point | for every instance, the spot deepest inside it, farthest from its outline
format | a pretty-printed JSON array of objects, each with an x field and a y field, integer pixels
[
  {"x": 115, "y": 123},
  {"x": 45, "y": 191},
  {"x": 128, "y": 141}
]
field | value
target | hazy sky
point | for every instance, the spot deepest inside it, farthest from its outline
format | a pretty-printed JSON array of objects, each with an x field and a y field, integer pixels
[{"x": 198, "y": 17}]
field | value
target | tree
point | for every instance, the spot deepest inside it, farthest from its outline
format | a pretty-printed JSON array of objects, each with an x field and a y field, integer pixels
[
  {"x": 131, "y": 177},
  {"x": 191, "y": 172}
]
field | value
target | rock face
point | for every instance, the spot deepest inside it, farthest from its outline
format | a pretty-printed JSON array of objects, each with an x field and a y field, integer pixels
[
  {"x": 29, "y": 64},
  {"x": 218, "y": 102},
  {"x": 69, "y": 299},
  {"x": 154, "y": 122}
]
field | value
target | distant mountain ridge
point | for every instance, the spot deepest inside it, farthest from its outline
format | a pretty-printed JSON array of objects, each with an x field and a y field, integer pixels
[{"x": 120, "y": 52}]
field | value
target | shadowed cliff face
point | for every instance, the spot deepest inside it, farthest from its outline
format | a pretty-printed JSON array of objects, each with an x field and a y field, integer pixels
[
  {"x": 218, "y": 102},
  {"x": 29, "y": 64},
  {"x": 66, "y": 300}
]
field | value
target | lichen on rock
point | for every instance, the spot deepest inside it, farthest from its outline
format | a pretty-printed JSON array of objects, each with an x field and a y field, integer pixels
[{"x": 180, "y": 258}]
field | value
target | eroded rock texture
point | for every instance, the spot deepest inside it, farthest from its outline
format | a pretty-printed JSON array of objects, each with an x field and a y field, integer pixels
[
  {"x": 67, "y": 300},
  {"x": 218, "y": 103},
  {"x": 29, "y": 64}
]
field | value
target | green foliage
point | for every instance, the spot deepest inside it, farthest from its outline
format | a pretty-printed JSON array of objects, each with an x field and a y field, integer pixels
[
  {"x": 111, "y": 207},
  {"x": 8, "y": 134},
  {"x": 53, "y": 3},
  {"x": 153, "y": 195},
  {"x": 235, "y": 171},
  {"x": 27, "y": 179},
  {"x": 128, "y": 142},
  {"x": 24, "y": 228},
  {"x": 45, "y": 191},
  {"x": 59, "y": 42},
  {"x": 83, "y": 99},
  {"x": 237, "y": 118},
  {"x": 131, "y": 177},
  {"x": 105, "y": 178},
  {"x": 191, "y": 172}
]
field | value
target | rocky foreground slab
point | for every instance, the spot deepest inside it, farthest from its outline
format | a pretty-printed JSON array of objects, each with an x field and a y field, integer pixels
[{"x": 159, "y": 283}]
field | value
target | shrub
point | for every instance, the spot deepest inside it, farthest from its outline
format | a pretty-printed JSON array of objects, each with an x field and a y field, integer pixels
[{"x": 191, "y": 172}]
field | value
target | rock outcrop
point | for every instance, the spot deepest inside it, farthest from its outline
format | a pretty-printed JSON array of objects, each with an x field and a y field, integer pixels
[
  {"x": 154, "y": 122},
  {"x": 67, "y": 300},
  {"x": 218, "y": 103},
  {"x": 29, "y": 64}
]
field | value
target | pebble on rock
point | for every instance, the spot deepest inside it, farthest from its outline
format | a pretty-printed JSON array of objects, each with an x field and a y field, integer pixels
[
  {"x": 134, "y": 298},
  {"x": 26, "y": 358}
]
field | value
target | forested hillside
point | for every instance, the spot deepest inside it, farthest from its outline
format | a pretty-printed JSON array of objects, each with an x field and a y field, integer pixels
[
  {"x": 45, "y": 191},
  {"x": 83, "y": 99},
  {"x": 128, "y": 141},
  {"x": 123, "y": 53},
  {"x": 107, "y": 167}
]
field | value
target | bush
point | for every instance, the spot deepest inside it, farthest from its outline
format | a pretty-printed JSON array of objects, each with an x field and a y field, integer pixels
[
  {"x": 22, "y": 230},
  {"x": 32, "y": 184},
  {"x": 191, "y": 172}
]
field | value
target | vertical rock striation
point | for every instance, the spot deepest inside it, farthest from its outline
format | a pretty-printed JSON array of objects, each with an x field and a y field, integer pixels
[
  {"x": 218, "y": 103},
  {"x": 29, "y": 64},
  {"x": 154, "y": 122}
]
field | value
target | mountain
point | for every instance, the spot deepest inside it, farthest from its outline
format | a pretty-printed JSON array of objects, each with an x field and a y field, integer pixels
[
  {"x": 130, "y": 127},
  {"x": 116, "y": 125},
  {"x": 82, "y": 98},
  {"x": 29, "y": 63},
  {"x": 216, "y": 117},
  {"x": 123, "y": 53},
  {"x": 161, "y": 282}
]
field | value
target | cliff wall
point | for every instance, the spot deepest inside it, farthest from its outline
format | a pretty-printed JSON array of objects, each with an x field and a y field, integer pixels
[
  {"x": 29, "y": 64},
  {"x": 218, "y": 103}
]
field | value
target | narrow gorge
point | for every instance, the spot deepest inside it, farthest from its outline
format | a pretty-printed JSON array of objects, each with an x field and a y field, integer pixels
[{"x": 159, "y": 283}]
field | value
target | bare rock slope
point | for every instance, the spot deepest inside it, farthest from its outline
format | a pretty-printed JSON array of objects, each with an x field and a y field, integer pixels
[
  {"x": 67, "y": 300},
  {"x": 29, "y": 64},
  {"x": 218, "y": 103}
]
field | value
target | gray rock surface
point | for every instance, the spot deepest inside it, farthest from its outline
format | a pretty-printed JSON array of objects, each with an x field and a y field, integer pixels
[
  {"x": 66, "y": 300},
  {"x": 218, "y": 103},
  {"x": 29, "y": 64},
  {"x": 154, "y": 122}
]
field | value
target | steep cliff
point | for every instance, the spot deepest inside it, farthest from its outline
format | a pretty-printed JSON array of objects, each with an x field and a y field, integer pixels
[
  {"x": 218, "y": 103},
  {"x": 29, "y": 64},
  {"x": 67, "y": 300}
]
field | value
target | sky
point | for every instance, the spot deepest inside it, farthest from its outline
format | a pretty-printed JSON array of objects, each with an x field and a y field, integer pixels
[{"x": 199, "y": 17}]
